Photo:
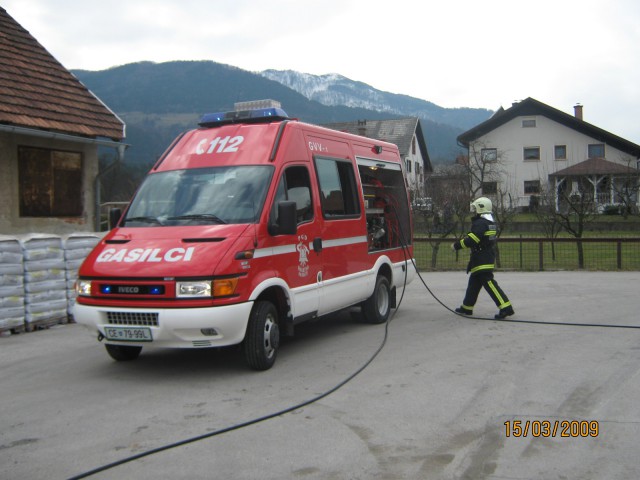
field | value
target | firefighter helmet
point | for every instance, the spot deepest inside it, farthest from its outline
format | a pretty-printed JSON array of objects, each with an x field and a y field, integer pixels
[{"x": 481, "y": 205}]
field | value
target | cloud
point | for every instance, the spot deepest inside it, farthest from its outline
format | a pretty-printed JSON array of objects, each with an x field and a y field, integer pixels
[{"x": 464, "y": 53}]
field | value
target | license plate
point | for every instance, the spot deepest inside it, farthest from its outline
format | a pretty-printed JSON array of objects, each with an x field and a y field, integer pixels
[{"x": 128, "y": 334}]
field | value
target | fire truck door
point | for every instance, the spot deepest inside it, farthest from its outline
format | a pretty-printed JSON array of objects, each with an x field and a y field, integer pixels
[
  {"x": 344, "y": 240},
  {"x": 302, "y": 266}
]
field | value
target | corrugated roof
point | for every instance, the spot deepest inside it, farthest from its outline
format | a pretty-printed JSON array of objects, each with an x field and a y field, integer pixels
[
  {"x": 399, "y": 131},
  {"x": 37, "y": 92}
]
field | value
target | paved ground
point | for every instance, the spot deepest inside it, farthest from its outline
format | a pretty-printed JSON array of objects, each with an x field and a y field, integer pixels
[{"x": 436, "y": 403}]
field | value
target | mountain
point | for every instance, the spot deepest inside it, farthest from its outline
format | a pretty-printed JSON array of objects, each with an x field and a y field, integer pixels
[
  {"x": 158, "y": 101},
  {"x": 333, "y": 89}
]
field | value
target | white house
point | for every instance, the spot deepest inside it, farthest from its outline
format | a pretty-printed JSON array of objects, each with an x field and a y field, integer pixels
[
  {"x": 406, "y": 133},
  {"x": 531, "y": 148}
]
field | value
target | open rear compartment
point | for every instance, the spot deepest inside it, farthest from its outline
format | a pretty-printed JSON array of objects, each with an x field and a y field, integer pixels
[{"x": 386, "y": 204}]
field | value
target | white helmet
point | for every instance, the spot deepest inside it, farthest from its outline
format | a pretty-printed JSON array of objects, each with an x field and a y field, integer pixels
[{"x": 481, "y": 205}]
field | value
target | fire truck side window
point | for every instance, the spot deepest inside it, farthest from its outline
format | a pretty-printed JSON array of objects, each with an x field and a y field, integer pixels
[
  {"x": 337, "y": 187},
  {"x": 296, "y": 187}
]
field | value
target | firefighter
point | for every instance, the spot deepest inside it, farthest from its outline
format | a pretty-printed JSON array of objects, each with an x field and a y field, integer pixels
[{"x": 481, "y": 240}]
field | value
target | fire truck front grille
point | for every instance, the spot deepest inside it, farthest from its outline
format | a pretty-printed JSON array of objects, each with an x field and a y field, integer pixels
[{"x": 140, "y": 319}]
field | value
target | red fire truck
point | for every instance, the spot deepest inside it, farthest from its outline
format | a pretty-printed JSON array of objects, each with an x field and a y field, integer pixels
[{"x": 245, "y": 227}]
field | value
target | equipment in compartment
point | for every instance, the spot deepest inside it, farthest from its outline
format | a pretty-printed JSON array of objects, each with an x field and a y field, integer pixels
[{"x": 380, "y": 202}]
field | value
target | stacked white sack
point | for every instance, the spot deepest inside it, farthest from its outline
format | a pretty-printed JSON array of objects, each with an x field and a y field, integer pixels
[
  {"x": 12, "y": 310},
  {"x": 76, "y": 248},
  {"x": 44, "y": 280}
]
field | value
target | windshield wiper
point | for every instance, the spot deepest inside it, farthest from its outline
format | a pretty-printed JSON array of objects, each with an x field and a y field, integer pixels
[
  {"x": 198, "y": 216},
  {"x": 143, "y": 220}
]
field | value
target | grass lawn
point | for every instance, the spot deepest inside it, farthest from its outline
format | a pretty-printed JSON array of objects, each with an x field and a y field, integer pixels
[{"x": 528, "y": 255}]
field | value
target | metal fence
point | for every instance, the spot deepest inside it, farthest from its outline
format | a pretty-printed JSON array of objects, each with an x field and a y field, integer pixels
[{"x": 537, "y": 254}]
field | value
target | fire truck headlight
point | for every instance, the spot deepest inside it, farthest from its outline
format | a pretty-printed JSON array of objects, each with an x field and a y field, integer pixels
[
  {"x": 196, "y": 289},
  {"x": 83, "y": 288}
]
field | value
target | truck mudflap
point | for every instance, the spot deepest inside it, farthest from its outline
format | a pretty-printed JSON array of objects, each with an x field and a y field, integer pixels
[{"x": 169, "y": 327}]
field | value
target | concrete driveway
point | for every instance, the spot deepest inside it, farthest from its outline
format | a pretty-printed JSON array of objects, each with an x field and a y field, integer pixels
[{"x": 447, "y": 397}]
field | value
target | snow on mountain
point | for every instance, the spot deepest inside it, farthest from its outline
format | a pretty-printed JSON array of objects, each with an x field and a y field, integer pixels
[
  {"x": 331, "y": 89},
  {"x": 334, "y": 89}
]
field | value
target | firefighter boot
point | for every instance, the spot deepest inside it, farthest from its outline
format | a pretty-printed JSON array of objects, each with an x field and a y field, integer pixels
[
  {"x": 464, "y": 310},
  {"x": 504, "y": 313}
]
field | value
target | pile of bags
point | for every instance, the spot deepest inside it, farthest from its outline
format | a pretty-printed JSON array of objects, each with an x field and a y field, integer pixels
[
  {"x": 12, "y": 313},
  {"x": 37, "y": 274}
]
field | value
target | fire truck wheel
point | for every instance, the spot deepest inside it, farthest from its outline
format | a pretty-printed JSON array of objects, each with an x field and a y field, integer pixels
[
  {"x": 123, "y": 353},
  {"x": 262, "y": 339},
  {"x": 377, "y": 307}
]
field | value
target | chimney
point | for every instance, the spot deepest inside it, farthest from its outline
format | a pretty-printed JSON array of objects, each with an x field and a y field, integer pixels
[
  {"x": 577, "y": 109},
  {"x": 362, "y": 128}
]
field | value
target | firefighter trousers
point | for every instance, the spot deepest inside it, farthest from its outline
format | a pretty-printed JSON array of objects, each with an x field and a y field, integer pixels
[{"x": 484, "y": 278}]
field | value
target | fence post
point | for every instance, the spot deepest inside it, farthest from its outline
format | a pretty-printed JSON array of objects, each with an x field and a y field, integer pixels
[
  {"x": 619, "y": 252},
  {"x": 540, "y": 255},
  {"x": 520, "y": 251}
]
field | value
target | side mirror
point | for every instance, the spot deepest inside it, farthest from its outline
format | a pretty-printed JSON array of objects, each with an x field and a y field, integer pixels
[
  {"x": 114, "y": 217},
  {"x": 287, "y": 221}
]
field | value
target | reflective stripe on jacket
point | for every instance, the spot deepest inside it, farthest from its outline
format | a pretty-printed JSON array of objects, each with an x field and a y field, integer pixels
[{"x": 481, "y": 240}]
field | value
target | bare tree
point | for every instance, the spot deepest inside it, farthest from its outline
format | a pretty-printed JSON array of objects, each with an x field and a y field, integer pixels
[
  {"x": 625, "y": 189},
  {"x": 448, "y": 189},
  {"x": 488, "y": 177},
  {"x": 485, "y": 167},
  {"x": 577, "y": 210},
  {"x": 503, "y": 213},
  {"x": 547, "y": 217},
  {"x": 119, "y": 181}
]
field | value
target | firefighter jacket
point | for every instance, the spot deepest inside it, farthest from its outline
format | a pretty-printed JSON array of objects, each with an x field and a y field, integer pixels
[{"x": 481, "y": 240}]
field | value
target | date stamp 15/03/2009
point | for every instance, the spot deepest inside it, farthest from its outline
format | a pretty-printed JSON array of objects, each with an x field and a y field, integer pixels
[{"x": 552, "y": 428}]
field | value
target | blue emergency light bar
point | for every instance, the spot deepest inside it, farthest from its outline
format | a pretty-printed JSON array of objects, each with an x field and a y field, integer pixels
[{"x": 258, "y": 115}]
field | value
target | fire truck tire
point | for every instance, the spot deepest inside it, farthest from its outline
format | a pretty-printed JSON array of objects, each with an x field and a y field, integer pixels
[
  {"x": 377, "y": 307},
  {"x": 123, "y": 353},
  {"x": 262, "y": 340}
]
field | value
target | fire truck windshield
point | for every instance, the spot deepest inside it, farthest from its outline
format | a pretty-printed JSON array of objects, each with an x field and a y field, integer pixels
[{"x": 201, "y": 196}]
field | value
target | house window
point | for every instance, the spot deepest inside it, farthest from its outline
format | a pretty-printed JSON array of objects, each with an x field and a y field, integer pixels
[
  {"x": 338, "y": 187},
  {"x": 413, "y": 145},
  {"x": 596, "y": 150},
  {"x": 532, "y": 153},
  {"x": 560, "y": 152},
  {"x": 50, "y": 182},
  {"x": 408, "y": 165},
  {"x": 531, "y": 187},
  {"x": 489, "y": 154},
  {"x": 529, "y": 123},
  {"x": 489, "y": 188}
]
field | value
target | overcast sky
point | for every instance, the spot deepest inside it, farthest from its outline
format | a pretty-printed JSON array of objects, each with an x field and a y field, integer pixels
[{"x": 464, "y": 53}]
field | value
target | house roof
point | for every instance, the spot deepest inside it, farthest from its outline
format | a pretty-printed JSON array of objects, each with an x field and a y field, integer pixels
[
  {"x": 529, "y": 107},
  {"x": 399, "y": 131},
  {"x": 596, "y": 166},
  {"x": 37, "y": 92}
]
